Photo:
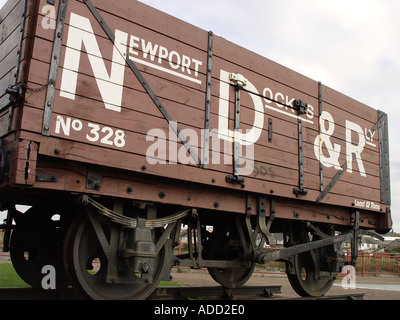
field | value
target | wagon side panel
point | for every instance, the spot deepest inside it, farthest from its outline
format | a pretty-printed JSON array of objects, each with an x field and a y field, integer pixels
[{"x": 324, "y": 148}]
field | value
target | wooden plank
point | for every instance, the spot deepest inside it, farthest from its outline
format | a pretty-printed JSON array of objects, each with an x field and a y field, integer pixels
[
  {"x": 152, "y": 49},
  {"x": 252, "y": 61},
  {"x": 9, "y": 62},
  {"x": 7, "y": 80},
  {"x": 349, "y": 105},
  {"x": 7, "y": 8},
  {"x": 4, "y": 122},
  {"x": 289, "y": 209},
  {"x": 10, "y": 18},
  {"x": 10, "y": 43},
  {"x": 4, "y": 101},
  {"x": 156, "y": 20},
  {"x": 24, "y": 159},
  {"x": 81, "y": 153}
]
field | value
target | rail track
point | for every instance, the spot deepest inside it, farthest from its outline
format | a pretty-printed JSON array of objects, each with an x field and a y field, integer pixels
[{"x": 177, "y": 293}]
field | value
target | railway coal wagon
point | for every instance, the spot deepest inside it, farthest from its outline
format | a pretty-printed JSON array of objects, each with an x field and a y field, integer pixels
[{"x": 121, "y": 127}]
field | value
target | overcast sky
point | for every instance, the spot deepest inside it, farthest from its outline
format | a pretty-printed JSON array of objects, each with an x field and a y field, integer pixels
[{"x": 352, "y": 46}]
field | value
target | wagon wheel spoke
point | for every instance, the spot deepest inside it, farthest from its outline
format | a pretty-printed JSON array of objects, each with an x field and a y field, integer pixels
[{"x": 89, "y": 266}]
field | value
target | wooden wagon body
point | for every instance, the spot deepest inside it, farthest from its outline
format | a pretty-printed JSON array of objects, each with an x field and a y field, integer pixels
[
  {"x": 128, "y": 123},
  {"x": 208, "y": 110}
]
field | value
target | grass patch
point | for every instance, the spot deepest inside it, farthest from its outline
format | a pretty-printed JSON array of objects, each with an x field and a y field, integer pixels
[
  {"x": 169, "y": 284},
  {"x": 9, "y": 278}
]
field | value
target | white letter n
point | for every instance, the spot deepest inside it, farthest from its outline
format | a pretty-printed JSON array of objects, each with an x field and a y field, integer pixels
[{"x": 110, "y": 86}]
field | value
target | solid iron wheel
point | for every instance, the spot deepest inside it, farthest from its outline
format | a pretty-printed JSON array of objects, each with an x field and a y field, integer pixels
[
  {"x": 223, "y": 246},
  {"x": 37, "y": 241},
  {"x": 86, "y": 265},
  {"x": 304, "y": 281}
]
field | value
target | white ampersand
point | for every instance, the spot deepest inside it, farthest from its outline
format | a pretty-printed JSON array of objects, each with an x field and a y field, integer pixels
[{"x": 324, "y": 139}]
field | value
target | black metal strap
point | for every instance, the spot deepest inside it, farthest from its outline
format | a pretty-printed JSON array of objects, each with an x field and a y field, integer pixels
[
  {"x": 236, "y": 143},
  {"x": 320, "y": 106},
  {"x": 236, "y": 178},
  {"x": 145, "y": 84},
  {"x": 297, "y": 249},
  {"x": 55, "y": 60},
  {"x": 341, "y": 172},
  {"x": 301, "y": 107},
  {"x": 384, "y": 158},
  {"x": 270, "y": 129},
  {"x": 206, "y": 158},
  {"x": 355, "y": 239},
  {"x": 265, "y": 227}
]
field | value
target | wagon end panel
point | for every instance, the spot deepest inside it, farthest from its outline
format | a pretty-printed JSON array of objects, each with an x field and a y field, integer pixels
[
  {"x": 17, "y": 29},
  {"x": 17, "y": 20}
]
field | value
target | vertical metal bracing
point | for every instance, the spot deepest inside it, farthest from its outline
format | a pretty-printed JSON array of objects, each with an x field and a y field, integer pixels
[
  {"x": 301, "y": 156},
  {"x": 55, "y": 60},
  {"x": 270, "y": 129},
  {"x": 265, "y": 227},
  {"x": 236, "y": 143},
  {"x": 236, "y": 178},
  {"x": 321, "y": 167},
  {"x": 355, "y": 217},
  {"x": 301, "y": 107},
  {"x": 252, "y": 247},
  {"x": 384, "y": 157},
  {"x": 206, "y": 156}
]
